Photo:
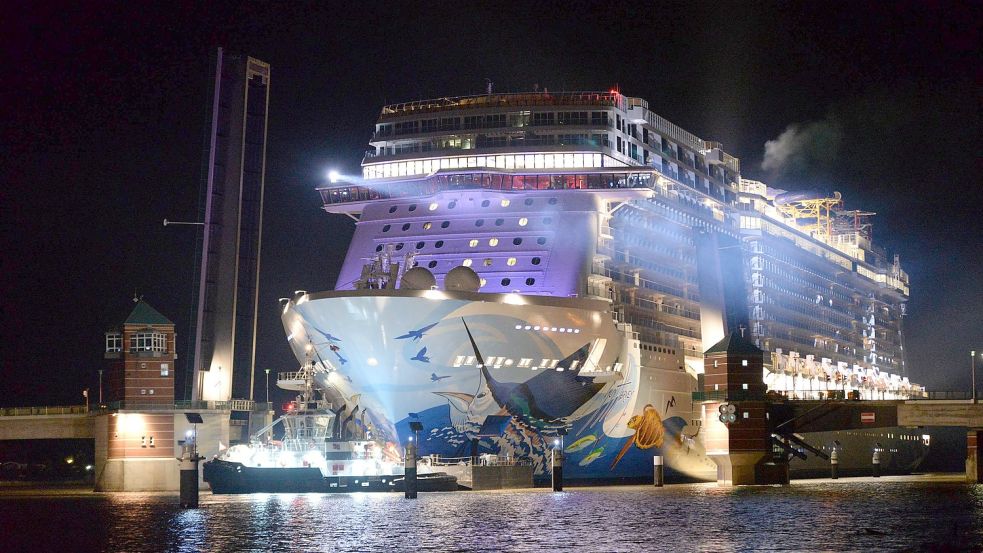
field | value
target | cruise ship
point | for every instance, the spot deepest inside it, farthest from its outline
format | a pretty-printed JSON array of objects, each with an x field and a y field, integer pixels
[{"x": 545, "y": 270}]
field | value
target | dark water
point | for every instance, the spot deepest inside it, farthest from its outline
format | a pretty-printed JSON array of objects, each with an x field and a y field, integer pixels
[{"x": 849, "y": 515}]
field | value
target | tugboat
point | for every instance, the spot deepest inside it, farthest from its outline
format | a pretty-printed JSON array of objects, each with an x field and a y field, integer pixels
[{"x": 313, "y": 455}]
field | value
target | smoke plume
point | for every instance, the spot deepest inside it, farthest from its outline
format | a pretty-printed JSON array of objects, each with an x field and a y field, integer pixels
[{"x": 803, "y": 148}]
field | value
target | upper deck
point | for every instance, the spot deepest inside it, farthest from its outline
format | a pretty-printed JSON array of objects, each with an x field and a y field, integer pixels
[{"x": 512, "y": 100}]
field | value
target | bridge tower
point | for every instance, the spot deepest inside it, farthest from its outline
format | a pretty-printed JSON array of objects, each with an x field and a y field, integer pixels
[
  {"x": 134, "y": 434},
  {"x": 735, "y": 417}
]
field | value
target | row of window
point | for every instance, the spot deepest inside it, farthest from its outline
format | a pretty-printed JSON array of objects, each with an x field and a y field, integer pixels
[
  {"x": 453, "y": 203},
  {"x": 523, "y": 221},
  {"x": 141, "y": 341},
  {"x": 473, "y": 243},
  {"x": 519, "y": 119}
]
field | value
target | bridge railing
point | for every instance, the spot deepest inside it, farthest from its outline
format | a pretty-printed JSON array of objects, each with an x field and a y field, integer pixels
[
  {"x": 44, "y": 410},
  {"x": 945, "y": 395},
  {"x": 232, "y": 405}
]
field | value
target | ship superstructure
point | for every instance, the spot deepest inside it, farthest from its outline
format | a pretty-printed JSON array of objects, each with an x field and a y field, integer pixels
[{"x": 582, "y": 217}]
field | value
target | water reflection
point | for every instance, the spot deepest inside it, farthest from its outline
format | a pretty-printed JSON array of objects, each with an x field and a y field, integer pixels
[{"x": 878, "y": 516}]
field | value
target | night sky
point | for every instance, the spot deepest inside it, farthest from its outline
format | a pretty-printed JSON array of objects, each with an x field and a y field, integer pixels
[{"x": 103, "y": 115}]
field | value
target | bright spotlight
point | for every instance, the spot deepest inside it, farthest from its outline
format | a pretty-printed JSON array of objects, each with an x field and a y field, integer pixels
[{"x": 333, "y": 176}]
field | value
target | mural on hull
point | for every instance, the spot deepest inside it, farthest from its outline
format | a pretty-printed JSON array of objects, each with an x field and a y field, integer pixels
[{"x": 510, "y": 379}]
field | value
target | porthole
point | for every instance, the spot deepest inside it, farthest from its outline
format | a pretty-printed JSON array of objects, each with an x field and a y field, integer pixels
[
  {"x": 412, "y": 207},
  {"x": 505, "y": 203},
  {"x": 516, "y": 241},
  {"x": 452, "y": 205},
  {"x": 438, "y": 244},
  {"x": 493, "y": 242},
  {"x": 399, "y": 246},
  {"x": 547, "y": 220},
  {"x": 432, "y": 206},
  {"x": 392, "y": 209},
  {"x": 445, "y": 224},
  {"x": 479, "y": 222},
  {"x": 406, "y": 226},
  {"x": 482, "y": 282},
  {"x": 535, "y": 261},
  {"x": 386, "y": 228},
  {"x": 432, "y": 264},
  {"x": 466, "y": 263},
  {"x": 427, "y": 225},
  {"x": 485, "y": 203},
  {"x": 499, "y": 222},
  {"x": 487, "y": 262},
  {"x": 523, "y": 222},
  {"x": 506, "y": 281},
  {"x": 552, "y": 201},
  {"x": 541, "y": 240},
  {"x": 511, "y": 262},
  {"x": 378, "y": 248},
  {"x": 473, "y": 243},
  {"x": 419, "y": 246},
  {"x": 530, "y": 281},
  {"x": 528, "y": 201}
]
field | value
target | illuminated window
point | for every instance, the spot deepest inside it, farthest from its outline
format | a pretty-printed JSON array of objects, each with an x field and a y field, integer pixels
[
  {"x": 467, "y": 263},
  {"x": 148, "y": 341},
  {"x": 165, "y": 369},
  {"x": 427, "y": 225},
  {"x": 487, "y": 262},
  {"x": 505, "y": 203},
  {"x": 432, "y": 206},
  {"x": 510, "y": 262},
  {"x": 493, "y": 242},
  {"x": 114, "y": 342},
  {"x": 473, "y": 243},
  {"x": 523, "y": 222},
  {"x": 483, "y": 282}
]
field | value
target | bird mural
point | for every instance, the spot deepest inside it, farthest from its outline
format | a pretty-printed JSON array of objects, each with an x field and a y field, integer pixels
[
  {"x": 421, "y": 356},
  {"x": 435, "y": 378},
  {"x": 417, "y": 334}
]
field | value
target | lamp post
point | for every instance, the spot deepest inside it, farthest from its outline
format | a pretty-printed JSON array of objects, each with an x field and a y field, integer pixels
[
  {"x": 267, "y": 389},
  {"x": 973, "y": 367}
]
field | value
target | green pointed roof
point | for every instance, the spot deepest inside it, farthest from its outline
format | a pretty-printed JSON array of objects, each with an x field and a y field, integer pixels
[
  {"x": 144, "y": 314},
  {"x": 735, "y": 343}
]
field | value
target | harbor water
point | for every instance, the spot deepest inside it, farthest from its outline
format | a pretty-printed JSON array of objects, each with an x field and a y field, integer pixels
[{"x": 927, "y": 513}]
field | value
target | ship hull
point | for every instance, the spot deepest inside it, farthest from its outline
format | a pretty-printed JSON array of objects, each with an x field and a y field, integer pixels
[
  {"x": 226, "y": 477},
  {"x": 516, "y": 376}
]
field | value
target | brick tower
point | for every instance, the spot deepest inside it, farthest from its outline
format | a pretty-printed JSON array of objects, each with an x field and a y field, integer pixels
[{"x": 734, "y": 387}]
